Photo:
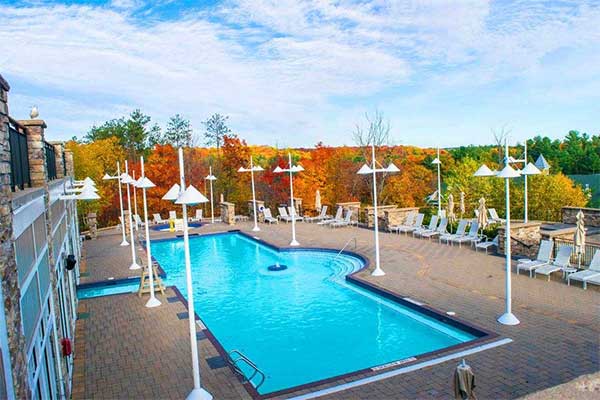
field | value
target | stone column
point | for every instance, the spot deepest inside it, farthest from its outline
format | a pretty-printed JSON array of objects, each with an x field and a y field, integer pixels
[
  {"x": 36, "y": 151},
  {"x": 11, "y": 293},
  {"x": 69, "y": 162},
  {"x": 59, "y": 148},
  {"x": 525, "y": 239},
  {"x": 228, "y": 213},
  {"x": 298, "y": 206},
  {"x": 259, "y": 203},
  {"x": 92, "y": 223}
]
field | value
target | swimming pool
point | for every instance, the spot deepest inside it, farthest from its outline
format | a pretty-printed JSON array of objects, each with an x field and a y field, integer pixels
[{"x": 304, "y": 324}]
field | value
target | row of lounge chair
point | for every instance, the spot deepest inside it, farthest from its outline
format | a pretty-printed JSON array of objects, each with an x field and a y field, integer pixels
[
  {"x": 493, "y": 217},
  {"x": 286, "y": 215},
  {"x": 157, "y": 219},
  {"x": 544, "y": 265},
  {"x": 414, "y": 224}
]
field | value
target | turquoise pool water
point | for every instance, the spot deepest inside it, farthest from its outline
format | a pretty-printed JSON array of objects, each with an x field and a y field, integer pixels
[{"x": 303, "y": 324}]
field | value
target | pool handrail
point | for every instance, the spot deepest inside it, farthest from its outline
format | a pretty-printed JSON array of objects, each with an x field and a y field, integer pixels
[{"x": 241, "y": 357}]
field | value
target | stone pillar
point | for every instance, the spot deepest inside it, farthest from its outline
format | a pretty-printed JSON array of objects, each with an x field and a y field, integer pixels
[
  {"x": 59, "y": 148},
  {"x": 298, "y": 206},
  {"x": 11, "y": 293},
  {"x": 370, "y": 213},
  {"x": 227, "y": 212},
  {"x": 69, "y": 162},
  {"x": 259, "y": 204},
  {"x": 36, "y": 151},
  {"x": 349, "y": 205},
  {"x": 92, "y": 223},
  {"x": 525, "y": 239}
]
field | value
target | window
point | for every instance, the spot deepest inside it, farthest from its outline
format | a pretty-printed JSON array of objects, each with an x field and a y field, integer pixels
[
  {"x": 30, "y": 309},
  {"x": 44, "y": 274},
  {"x": 39, "y": 231},
  {"x": 25, "y": 254}
]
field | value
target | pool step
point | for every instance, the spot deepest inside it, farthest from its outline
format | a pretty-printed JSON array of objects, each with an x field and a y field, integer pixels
[{"x": 236, "y": 360}]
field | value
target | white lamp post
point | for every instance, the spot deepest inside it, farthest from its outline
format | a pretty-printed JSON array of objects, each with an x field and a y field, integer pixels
[
  {"x": 291, "y": 169},
  {"x": 126, "y": 179},
  {"x": 438, "y": 163},
  {"x": 210, "y": 177},
  {"x": 145, "y": 183},
  {"x": 253, "y": 168},
  {"x": 373, "y": 170},
  {"x": 528, "y": 169},
  {"x": 118, "y": 178},
  {"x": 135, "y": 210},
  {"x": 185, "y": 197},
  {"x": 508, "y": 318}
]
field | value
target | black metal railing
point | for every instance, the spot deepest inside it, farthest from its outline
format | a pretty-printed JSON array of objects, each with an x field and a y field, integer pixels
[
  {"x": 50, "y": 160},
  {"x": 19, "y": 160},
  {"x": 64, "y": 160}
]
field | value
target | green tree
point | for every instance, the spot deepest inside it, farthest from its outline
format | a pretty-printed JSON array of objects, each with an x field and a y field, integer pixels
[
  {"x": 216, "y": 129},
  {"x": 178, "y": 132}
]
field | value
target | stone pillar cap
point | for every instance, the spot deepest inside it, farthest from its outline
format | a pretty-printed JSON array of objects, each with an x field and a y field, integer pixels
[
  {"x": 33, "y": 122},
  {"x": 3, "y": 84}
]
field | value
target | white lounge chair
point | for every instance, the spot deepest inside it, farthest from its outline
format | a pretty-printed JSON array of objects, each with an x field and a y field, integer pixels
[
  {"x": 269, "y": 217},
  {"x": 593, "y": 272},
  {"x": 440, "y": 230},
  {"x": 198, "y": 216},
  {"x": 486, "y": 244},
  {"x": 172, "y": 215},
  {"x": 494, "y": 217},
  {"x": 476, "y": 213},
  {"x": 179, "y": 225},
  {"x": 337, "y": 218},
  {"x": 595, "y": 280},
  {"x": 283, "y": 214},
  {"x": 430, "y": 228},
  {"x": 560, "y": 263},
  {"x": 138, "y": 221},
  {"x": 471, "y": 237},
  {"x": 410, "y": 228},
  {"x": 158, "y": 219},
  {"x": 292, "y": 214},
  {"x": 542, "y": 259},
  {"x": 460, "y": 231},
  {"x": 322, "y": 215},
  {"x": 345, "y": 222},
  {"x": 408, "y": 221}
]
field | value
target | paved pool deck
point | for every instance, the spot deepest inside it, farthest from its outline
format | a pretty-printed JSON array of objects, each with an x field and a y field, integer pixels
[{"x": 557, "y": 341}]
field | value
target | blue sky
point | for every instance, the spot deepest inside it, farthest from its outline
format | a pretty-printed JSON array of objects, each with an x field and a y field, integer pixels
[{"x": 444, "y": 72}]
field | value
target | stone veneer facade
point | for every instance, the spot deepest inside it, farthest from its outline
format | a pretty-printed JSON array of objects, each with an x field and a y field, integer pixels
[
  {"x": 591, "y": 216},
  {"x": 525, "y": 239},
  {"x": 228, "y": 212},
  {"x": 8, "y": 267}
]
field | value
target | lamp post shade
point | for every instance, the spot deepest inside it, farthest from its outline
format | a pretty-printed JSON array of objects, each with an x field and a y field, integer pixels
[
  {"x": 107, "y": 177},
  {"x": 89, "y": 181},
  {"x": 484, "y": 170},
  {"x": 277, "y": 170},
  {"x": 211, "y": 177},
  {"x": 392, "y": 168},
  {"x": 191, "y": 196},
  {"x": 508, "y": 172},
  {"x": 88, "y": 194},
  {"x": 173, "y": 193},
  {"x": 530, "y": 169},
  {"x": 436, "y": 161},
  {"x": 126, "y": 178},
  {"x": 145, "y": 183},
  {"x": 364, "y": 170}
]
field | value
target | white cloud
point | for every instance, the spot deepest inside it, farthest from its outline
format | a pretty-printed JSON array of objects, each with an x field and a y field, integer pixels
[{"x": 284, "y": 70}]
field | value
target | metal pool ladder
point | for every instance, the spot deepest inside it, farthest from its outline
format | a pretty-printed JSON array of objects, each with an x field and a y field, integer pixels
[{"x": 236, "y": 356}]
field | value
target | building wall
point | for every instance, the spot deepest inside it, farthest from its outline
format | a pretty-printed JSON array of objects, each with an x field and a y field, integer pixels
[{"x": 38, "y": 231}]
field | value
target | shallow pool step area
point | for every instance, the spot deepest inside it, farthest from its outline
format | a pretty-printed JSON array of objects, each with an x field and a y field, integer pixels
[{"x": 108, "y": 288}]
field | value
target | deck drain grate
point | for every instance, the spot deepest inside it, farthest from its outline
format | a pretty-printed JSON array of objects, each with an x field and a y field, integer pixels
[
  {"x": 201, "y": 335},
  {"x": 83, "y": 315},
  {"x": 216, "y": 362},
  {"x": 84, "y": 274},
  {"x": 173, "y": 299},
  {"x": 184, "y": 315}
]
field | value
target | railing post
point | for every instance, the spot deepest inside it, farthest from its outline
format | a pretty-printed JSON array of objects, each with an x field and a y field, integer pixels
[{"x": 36, "y": 151}]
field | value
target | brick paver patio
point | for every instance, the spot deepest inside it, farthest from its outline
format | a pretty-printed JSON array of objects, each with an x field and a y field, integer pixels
[{"x": 556, "y": 342}]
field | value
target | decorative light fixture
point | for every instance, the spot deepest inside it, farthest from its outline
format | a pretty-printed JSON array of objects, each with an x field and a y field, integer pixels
[
  {"x": 437, "y": 162},
  {"x": 188, "y": 197},
  {"x": 291, "y": 169},
  {"x": 118, "y": 178},
  {"x": 126, "y": 179},
  {"x": 373, "y": 170},
  {"x": 253, "y": 169},
  {"x": 210, "y": 177}
]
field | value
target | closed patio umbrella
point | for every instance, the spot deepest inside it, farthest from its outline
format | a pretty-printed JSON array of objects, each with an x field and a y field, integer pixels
[
  {"x": 579, "y": 237},
  {"x": 462, "y": 204},
  {"x": 464, "y": 382},
  {"x": 318, "y": 201},
  {"x": 482, "y": 218},
  {"x": 450, "y": 211}
]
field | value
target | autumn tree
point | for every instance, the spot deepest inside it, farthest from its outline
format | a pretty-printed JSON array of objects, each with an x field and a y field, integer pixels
[{"x": 178, "y": 132}]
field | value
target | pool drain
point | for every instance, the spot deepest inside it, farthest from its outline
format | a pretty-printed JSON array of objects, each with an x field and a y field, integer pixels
[{"x": 277, "y": 267}]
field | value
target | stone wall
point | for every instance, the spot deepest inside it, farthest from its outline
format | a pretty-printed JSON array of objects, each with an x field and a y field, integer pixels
[
  {"x": 591, "y": 215},
  {"x": 34, "y": 129},
  {"x": 298, "y": 206},
  {"x": 59, "y": 148},
  {"x": 525, "y": 239},
  {"x": 8, "y": 267},
  {"x": 227, "y": 212},
  {"x": 396, "y": 216},
  {"x": 369, "y": 213},
  {"x": 349, "y": 205}
]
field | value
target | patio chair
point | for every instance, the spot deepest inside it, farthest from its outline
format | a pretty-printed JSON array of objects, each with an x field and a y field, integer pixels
[
  {"x": 292, "y": 213},
  {"x": 595, "y": 280},
  {"x": 486, "y": 244},
  {"x": 440, "y": 230},
  {"x": 476, "y": 213},
  {"x": 593, "y": 272},
  {"x": 269, "y": 217},
  {"x": 172, "y": 215},
  {"x": 337, "y": 218},
  {"x": 430, "y": 228},
  {"x": 542, "y": 259},
  {"x": 418, "y": 222},
  {"x": 240, "y": 218},
  {"x": 560, "y": 263},
  {"x": 197, "y": 217},
  {"x": 460, "y": 231},
  {"x": 158, "y": 219},
  {"x": 322, "y": 215},
  {"x": 138, "y": 220},
  {"x": 283, "y": 214},
  {"x": 179, "y": 225},
  {"x": 472, "y": 236},
  {"x": 494, "y": 217},
  {"x": 408, "y": 221},
  {"x": 345, "y": 222}
]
